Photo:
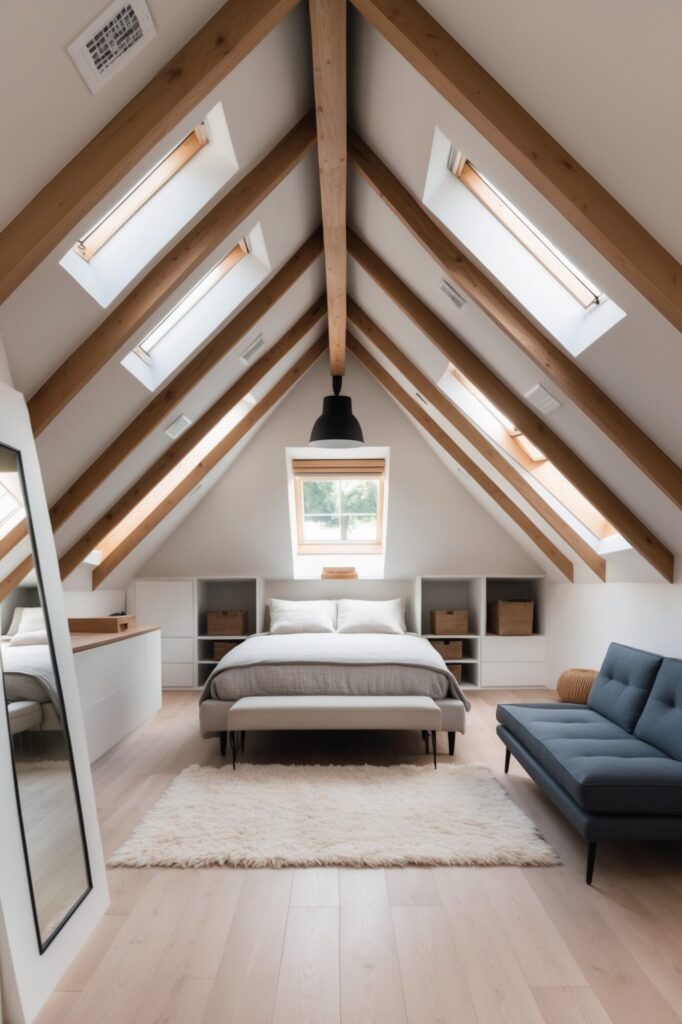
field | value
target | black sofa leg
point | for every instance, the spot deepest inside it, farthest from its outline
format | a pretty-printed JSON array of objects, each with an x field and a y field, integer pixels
[
  {"x": 433, "y": 743},
  {"x": 451, "y": 743},
  {"x": 507, "y": 759},
  {"x": 425, "y": 737},
  {"x": 234, "y": 744},
  {"x": 223, "y": 743},
  {"x": 591, "y": 856}
]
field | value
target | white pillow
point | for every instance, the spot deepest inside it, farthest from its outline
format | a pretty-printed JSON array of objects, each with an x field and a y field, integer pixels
[
  {"x": 302, "y": 616},
  {"x": 28, "y": 638},
  {"x": 16, "y": 619},
  {"x": 31, "y": 619},
  {"x": 371, "y": 616}
]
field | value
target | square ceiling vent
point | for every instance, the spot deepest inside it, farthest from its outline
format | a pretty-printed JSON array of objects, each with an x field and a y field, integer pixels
[{"x": 111, "y": 41}]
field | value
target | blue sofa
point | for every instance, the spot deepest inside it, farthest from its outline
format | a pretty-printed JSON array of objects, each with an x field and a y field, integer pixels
[{"x": 613, "y": 767}]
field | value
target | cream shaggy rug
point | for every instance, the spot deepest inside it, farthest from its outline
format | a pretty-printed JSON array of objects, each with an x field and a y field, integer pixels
[{"x": 351, "y": 815}]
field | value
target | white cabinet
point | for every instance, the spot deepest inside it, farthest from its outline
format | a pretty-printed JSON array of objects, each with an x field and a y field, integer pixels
[
  {"x": 166, "y": 603},
  {"x": 170, "y": 604},
  {"x": 120, "y": 688}
]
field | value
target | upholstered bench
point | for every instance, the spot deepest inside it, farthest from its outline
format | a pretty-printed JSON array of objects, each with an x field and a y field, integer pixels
[{"x": 342, "y": 712}]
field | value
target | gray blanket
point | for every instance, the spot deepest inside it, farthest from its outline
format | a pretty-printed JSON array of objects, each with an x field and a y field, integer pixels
[
  {"x": 28, "y": 674},
  {"x": 305, "y": 664}
]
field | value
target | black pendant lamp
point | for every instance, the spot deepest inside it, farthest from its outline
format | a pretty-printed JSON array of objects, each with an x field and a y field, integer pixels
[{"x": 337, "y": 427}]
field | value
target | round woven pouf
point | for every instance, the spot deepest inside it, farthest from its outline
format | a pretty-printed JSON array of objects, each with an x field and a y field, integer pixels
[{"x": 574, "y": 685}]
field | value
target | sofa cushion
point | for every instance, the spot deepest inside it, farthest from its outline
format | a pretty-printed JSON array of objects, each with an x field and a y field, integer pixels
[
  {"x": 603, "y": 767},
  {"x": 623, "y": 684},
  {"x": 661, "y": 721}
]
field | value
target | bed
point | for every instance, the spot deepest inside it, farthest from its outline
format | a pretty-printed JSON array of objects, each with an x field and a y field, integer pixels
[
  {"x": 28, "y": 677},
  {"x": 343, "y": 665}
]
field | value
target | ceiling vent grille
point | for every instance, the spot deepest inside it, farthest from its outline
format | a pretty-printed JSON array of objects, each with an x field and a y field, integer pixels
[
  {"x": 110, "y": 41},
  {"x": 178, "y": 426},
  {"x": 251, "y": 349},
  {"x": 542, "y": 400},
  {"x": 453, "y": 294}
]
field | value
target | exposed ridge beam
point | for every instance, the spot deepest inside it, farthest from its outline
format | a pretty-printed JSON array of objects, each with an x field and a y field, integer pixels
[
  {"x": 421, "y": 416},
  {"x": 15, "y": 577},
  {"x": 180, "y": 448},
  {"x": 175, "y": 90},
  {"x": 466, "y": 428},
  {"x": 586, "y": 204},
  {"x": 166, "y": 275},
  {"x": 567, "y": 462},
  {"x": 328, "y": 27},
  {"x": 252, "y": 417},
  {"x": 617, "y": 426}
]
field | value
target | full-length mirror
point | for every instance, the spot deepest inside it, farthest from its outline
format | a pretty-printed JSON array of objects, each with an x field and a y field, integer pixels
[{"x": 46, "y": 789}]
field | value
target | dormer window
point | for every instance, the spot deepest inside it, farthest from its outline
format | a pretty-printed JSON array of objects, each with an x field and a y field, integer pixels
[{"x": 547, "y": 254}]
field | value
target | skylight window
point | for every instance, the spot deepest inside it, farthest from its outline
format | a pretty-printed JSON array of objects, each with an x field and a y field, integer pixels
[
  {"x": 339, "y": 505},
  {"x": 9, "y": 505},
  {"x": 215, "y": 274},
  {"x": 510, "y": 249},
  {"x": 485, "y": 414},
  {"x": 547, "y": 254},
  {"x": 152, "y": 183}
]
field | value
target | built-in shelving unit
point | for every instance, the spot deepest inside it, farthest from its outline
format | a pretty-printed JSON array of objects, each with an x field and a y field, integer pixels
[
  {"x": 487, "y": 660},
  {"x": 180, "y": 607},
  {"x": 223, "y": 594}
]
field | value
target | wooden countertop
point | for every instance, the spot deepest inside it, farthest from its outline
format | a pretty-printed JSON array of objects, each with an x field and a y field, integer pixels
[{"x": 86, "y": 641}]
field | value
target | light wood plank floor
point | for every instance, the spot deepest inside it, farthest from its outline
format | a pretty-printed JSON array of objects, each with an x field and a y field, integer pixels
[{"x": 424, "y": 946}]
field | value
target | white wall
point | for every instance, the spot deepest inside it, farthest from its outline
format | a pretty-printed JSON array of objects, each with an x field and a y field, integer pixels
[
  {"x": 584, "y": 618},
  {"x": 5, "y": 375},
  {"x": 434, "y": 524}
]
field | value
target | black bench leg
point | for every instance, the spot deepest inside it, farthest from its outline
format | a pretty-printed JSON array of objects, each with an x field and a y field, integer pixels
[
  {"x": 425, "y": 737},
  {"x": 242, "y": 741},
  {"x": 507, "y": 759},
  {"x": 223, "y": 743},
  {"x": 234, "y": 744},
  {"x": 591, "y": 856},
  {"x": 451, "y": 743},
  {"x": 433, "y": 743}
]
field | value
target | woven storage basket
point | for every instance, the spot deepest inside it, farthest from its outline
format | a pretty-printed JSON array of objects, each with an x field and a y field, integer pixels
[
  {"x": 448, "y": 648},
  {"x": 223, "y": 647},
  {"x": 443, "y": 622},
  {"x": 511, "y": 618},
  {"x": 574, "y": 685},
  {"x": 226, "y": 623}
]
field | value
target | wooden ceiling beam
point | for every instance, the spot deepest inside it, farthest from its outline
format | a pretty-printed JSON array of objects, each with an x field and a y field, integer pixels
[
  {"x": 12, "y": 538},
  {"x": 466, "y": 86},
  {"x": 617, "y": 426},
  {"x": 252, "y": 417},
  {"x": 328, "y": 27},
  {"x": 493, "y": 456},
  {"x": 180, "y": 448},
  {"x": 15, "y": 577},
  {"x": 165, "y": 276},
  {"x": 590, "y": 485},
  {"x": 216, "y": 49},
  {"x": 422, "y": 417}
]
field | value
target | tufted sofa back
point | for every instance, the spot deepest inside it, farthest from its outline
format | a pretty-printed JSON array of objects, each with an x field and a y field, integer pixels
[
  {"x": 660, "y": 723},
  {"x": 623, "y": 685}
]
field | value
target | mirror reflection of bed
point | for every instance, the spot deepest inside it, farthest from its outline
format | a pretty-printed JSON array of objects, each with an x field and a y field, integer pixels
[{"x": 47, "y": 798}]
